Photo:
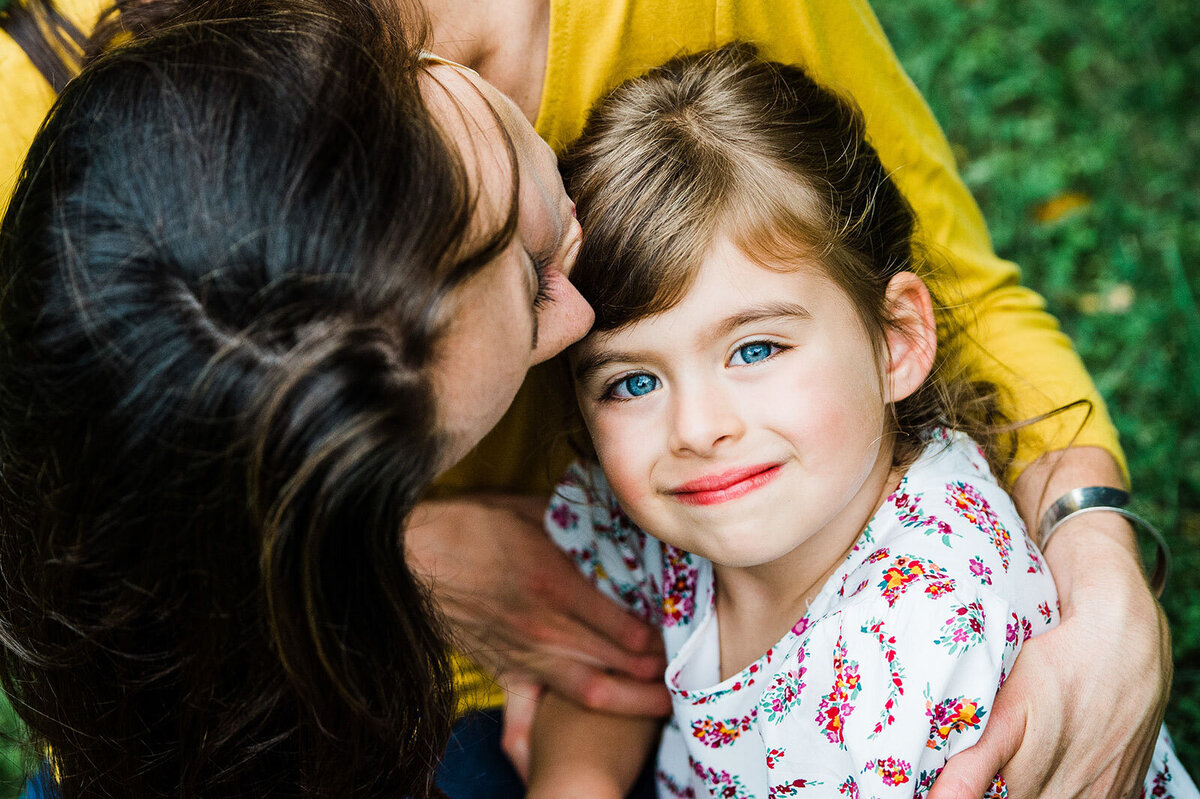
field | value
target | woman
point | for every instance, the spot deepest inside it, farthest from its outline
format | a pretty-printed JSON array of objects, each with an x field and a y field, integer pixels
[
  {"x": 267, "y": 272},
  {"x": 553, "y": 58}
]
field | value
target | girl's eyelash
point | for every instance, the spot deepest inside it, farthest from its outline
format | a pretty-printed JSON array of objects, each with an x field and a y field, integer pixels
[{"x": 608, "y": 390}]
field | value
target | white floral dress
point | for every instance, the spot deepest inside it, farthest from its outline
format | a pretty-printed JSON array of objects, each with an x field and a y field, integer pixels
[{"x": 892, "y": 670}]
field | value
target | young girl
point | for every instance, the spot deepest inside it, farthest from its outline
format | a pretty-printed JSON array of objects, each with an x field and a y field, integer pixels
[{"x": 841, "y": 581}]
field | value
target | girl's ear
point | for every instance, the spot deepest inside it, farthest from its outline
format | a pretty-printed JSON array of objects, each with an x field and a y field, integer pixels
[{"x": 912, "y": 338}]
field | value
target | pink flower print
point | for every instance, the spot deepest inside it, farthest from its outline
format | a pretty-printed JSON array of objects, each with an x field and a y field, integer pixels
[
  {"x": 968, "y": 503},
  {"x": 849, "y": 788},
  {"x": 791, "y": 788},
  {"x": 774, "y": 755},
  {"x": 981, "y": 571},
  {"x": 721, "y": 784},
  {"x": 905, "y": 571},
  {"x": 680, "y": 576},
  {"x": 909, "y": 513},
  {"x": 800, "y": 628},
  {"x": 715, "y": 733},
  {"x": 962, "y": 630},
  {"x": 835, "y": 706},
  {"x": 783, "y": 693},
  {"x": 1012, "y": 630},
  {"x": 563, "y": 517},
  {"x": 887, "y": 646},
  {"x": 951, "y": 716},
  {"x": 1035, "y": 562},
  {"x": 893, "y": 772}
]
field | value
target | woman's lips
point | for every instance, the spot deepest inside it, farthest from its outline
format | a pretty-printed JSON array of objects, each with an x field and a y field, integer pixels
[{"x": 717, "y": 488}]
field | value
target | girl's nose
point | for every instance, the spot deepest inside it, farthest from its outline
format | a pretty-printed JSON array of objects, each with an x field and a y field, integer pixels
[{"x": 703, "y": 420}]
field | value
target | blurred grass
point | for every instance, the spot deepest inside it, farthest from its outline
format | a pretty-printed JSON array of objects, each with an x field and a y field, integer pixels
[{"x": 1077, "y": 127}]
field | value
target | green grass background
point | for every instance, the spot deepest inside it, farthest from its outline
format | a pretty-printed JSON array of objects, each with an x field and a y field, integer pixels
[{"x": 1095, "y": 107}]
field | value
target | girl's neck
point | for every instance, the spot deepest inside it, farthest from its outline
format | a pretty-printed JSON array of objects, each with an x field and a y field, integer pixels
[
  {"x": 505, "y": 41},
  {"x": 756, "y": 606}
]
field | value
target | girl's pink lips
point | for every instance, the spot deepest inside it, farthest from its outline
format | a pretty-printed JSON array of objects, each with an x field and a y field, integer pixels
[{"x": 717, "y": 488}]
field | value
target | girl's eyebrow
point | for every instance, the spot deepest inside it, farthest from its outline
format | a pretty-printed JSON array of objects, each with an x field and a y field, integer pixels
[
  {"x": 599, "y": 358},
  {"x": 757, "y": 313}
]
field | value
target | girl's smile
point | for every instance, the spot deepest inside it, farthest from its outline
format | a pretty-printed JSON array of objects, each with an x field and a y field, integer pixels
[{"x": 726, "y": 486}]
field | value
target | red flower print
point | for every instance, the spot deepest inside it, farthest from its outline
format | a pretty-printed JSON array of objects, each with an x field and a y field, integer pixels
[
  {"x": 968, "y": 503},
  {"x": 715, "y": 733},
  {"x": 835, "y": 706},
  {"x": 906, "y": 571},
  {"x": 774, "y": 755},
  {"x": 790, "y": 788},
  {"x": 887, "y": 646},
  {"x": 951, "y": 716},
  {"x": 997, "y": 790},
  {"x": 1047, "y": 614}
]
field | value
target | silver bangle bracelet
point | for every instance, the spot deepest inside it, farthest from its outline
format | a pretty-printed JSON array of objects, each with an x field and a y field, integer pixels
[{"x": 1104, "y": 498}]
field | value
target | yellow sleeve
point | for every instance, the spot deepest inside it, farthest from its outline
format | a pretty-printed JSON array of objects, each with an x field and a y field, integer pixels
[
  {"x": 25, "y": 96},
  {"x": 594, "y": 46}
]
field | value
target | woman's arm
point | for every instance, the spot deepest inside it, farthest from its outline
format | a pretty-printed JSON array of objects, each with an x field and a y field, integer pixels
[
  {"x": 580, "y": 752},
  {"x": 1042, "y": 733},
  {"x": 521, "y": 609}
]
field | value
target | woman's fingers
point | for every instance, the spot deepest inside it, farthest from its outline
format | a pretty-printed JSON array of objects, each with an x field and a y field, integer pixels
[
  {"x": 519, "y": 711},
  {"x": 968, "y": 774}
]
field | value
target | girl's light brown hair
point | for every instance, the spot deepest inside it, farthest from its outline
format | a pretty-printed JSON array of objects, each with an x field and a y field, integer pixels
[{"x": 725, "y": 143}]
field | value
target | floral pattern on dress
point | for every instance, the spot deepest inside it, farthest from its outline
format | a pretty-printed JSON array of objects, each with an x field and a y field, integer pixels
[
  {"x": 963, "y": 629},
  {"x": 968, "y": 503},
  {"x": 891, "y": 771},
  {"x": 905, "y": 571},
  {"x": 679, "y": 577},
  {"x": 887, "y": 647},
  {"x": 721, "y": 783},
  {"x": 836, "y": 706},
  {"x": 949, "y": 716},
  {"x": 910, "y": 512},
  {"x": 715, "y": 733},
  {"x": 782, "y": 694},
  {"x": 791, "y": 788}
]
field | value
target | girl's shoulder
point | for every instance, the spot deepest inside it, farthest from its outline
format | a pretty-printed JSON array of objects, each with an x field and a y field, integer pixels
[{"x": 952, "y": 528}]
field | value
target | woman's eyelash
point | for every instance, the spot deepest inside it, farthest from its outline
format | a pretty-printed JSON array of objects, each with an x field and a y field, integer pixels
[{"x": 541, "y": 268}]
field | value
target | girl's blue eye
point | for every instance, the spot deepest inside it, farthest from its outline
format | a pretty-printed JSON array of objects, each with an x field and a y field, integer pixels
[
  {"x": 753, "y": 352},
  {"x": 637, "y": 385}
]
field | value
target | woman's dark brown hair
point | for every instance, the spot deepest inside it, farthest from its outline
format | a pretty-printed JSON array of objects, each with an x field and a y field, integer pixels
[
  {"x": 223, "y": 276},
  {"x": 724, "y": 143}
]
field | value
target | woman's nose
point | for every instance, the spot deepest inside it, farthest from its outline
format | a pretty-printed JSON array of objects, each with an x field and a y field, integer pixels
[
  {"x": 563, "y": 320},
  {"x": 704, "y": 419}
]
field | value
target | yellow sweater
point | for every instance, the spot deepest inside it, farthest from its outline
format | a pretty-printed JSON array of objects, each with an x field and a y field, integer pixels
[{"x": 594, "y": 45}]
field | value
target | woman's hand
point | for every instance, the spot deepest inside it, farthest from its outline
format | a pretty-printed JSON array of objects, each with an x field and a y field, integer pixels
[
  {"x": 1080, "y": 712},
  {"x": 519, "y": 607}
]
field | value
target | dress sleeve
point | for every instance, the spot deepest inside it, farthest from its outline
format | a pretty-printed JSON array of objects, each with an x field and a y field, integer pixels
[
  {"x": 586, "y": 522},
  {"x": 887, "y": 689},
  {"x": 1021, "y": 346}
]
